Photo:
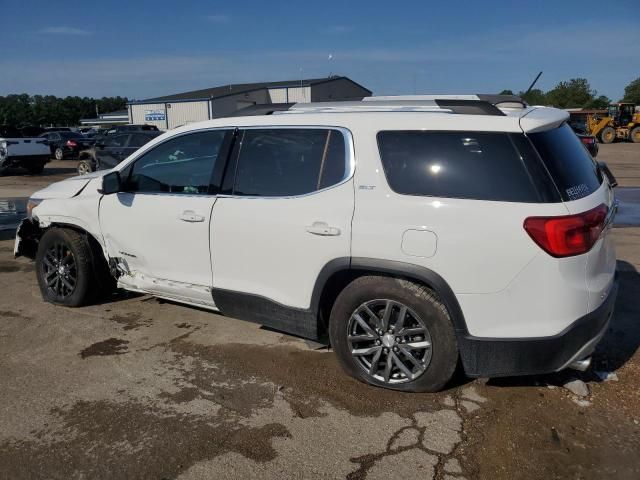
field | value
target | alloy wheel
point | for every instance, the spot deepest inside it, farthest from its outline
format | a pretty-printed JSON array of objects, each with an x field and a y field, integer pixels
[
  {"x": 389, "y": 341},
  {"x": 60, "y": 270}
]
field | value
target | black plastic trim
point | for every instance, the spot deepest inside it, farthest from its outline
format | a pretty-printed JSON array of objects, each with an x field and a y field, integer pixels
[
  {"x": 498, "y": 357},
  {"x": 421, "y": 274},
  {"x": 470, "y": 107},
  {"x": 258, "y": 309}
]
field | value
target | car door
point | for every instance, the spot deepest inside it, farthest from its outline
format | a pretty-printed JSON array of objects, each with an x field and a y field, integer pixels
[
  {"x": 157, "y": 229},
  {"x": 285, "y": 215},
  {"x": 55, "y": 141}
]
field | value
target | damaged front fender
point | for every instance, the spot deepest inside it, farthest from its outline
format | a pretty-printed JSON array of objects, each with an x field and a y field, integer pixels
[{"x": 27, "y": 239}]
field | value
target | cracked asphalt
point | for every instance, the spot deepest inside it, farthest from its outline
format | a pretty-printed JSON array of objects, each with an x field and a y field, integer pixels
[{"x": 140, "y": 388}]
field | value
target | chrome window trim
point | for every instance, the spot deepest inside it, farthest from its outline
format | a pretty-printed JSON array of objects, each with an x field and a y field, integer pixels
[{"x": 350, "y": 157}]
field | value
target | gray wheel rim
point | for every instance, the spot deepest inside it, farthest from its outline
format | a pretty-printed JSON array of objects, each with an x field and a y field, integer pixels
[
  {"x": 59, "y": 154},
  {"x": 389, "y": 341},
  {"x": 59, "y": 270},
  {"x": 83, "y": 168}
]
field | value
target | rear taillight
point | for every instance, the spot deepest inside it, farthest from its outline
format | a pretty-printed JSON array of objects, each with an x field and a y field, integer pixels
[
  {"x": 567, "y": 235},
  {"x": 588, "y": 140},
  {"x": 71, "y": 143}
]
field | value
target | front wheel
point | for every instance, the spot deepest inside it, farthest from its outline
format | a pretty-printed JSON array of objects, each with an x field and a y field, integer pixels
[
  {"x": 393, "y": 333},
  {"x": 634, "y": 135},
  {"x": 64, "y": 268},
  {"x": 608, "y": 135},
  {"x": 84, "y": 167}
]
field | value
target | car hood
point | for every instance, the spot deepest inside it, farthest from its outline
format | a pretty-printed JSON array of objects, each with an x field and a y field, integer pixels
[{"x": 69, "y": 187}]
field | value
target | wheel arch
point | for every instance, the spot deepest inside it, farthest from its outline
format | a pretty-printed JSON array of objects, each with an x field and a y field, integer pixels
[{"x": 338, "y": 273}]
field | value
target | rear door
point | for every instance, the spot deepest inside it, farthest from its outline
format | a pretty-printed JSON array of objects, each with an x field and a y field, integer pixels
[{"x": 286, "y": 214}]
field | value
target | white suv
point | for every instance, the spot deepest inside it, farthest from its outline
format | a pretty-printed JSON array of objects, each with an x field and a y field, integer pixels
[{"x": 411, "y": 234}]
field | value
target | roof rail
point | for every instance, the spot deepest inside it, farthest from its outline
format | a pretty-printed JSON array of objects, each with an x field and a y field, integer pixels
[{"x": 504, "y": 101}]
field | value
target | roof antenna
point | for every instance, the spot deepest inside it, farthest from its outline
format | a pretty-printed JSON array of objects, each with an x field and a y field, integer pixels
[{"x": 533, "y": 83}]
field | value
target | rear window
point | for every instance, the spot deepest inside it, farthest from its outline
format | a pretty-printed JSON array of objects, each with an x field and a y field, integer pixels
[
  {"x": 572, "y": 168},
  {"x": 472, "y": 165}
]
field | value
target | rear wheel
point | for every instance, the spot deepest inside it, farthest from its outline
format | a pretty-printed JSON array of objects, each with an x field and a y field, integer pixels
[
  {"x": 608, "y": 135},
  {"x": 634, "y": 135},
  {"x": 64, "y": 268},
  {"x": 58, "y": 153},
  {"x": 393, "y": 333},
  {"x": 35, "y": 168}
]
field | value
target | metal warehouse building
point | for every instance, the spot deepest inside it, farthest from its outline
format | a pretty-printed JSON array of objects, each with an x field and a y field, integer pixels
[{"x": 175, "y": 110}]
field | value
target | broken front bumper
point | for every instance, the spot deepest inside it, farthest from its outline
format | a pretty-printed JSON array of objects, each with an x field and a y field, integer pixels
[{"x": 27, "y": 238}]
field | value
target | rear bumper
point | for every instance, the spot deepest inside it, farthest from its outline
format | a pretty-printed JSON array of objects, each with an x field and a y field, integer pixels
[
  {"x": 23, "y": 160},
  {"x": 499, "y": 357}
]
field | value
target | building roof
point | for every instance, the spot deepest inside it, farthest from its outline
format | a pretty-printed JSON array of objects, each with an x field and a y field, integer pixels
[{"x": 232, "y": 89}]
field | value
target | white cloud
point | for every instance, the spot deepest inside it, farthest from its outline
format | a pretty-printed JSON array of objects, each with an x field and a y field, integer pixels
[
  {"x": 219, "y": 18},
  {"x": 64, "y": 31}
]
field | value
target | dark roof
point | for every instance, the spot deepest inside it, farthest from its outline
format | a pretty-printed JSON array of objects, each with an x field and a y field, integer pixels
[
  {"x": 233, "y": 89},
  {"x": 117, "y": 112}
]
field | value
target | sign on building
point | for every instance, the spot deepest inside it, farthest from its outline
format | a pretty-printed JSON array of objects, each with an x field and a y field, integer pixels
[{"x": 154, "y": 115}]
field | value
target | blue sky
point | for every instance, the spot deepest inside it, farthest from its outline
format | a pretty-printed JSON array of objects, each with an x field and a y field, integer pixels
[{"x": 140, "y": 48}]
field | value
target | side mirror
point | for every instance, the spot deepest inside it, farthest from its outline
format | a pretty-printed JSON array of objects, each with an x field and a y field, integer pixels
[{"x": 111, "y": 183}]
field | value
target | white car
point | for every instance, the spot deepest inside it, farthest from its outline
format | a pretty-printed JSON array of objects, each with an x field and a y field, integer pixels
[
  {"x": 409, "y": 233},
  {"x": 19, "y": 151}
]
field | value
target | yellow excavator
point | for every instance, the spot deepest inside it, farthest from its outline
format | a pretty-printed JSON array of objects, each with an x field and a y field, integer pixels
[{"x": 621, "y": 121}]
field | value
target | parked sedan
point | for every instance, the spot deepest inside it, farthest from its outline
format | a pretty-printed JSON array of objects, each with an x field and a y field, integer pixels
[
  {"x": 66, "y": 144},
  {"x": 107, "y": 153}
]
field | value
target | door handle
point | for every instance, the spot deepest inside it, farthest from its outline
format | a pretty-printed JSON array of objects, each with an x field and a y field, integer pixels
[
  {"x": 190, "y": 216},
  {"x": 323, "y": 229}
]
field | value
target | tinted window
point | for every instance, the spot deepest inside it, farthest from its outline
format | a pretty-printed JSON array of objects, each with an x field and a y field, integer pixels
[
  {"x": 573, "y": 170},
  {"x": 116, "y": 141},
  {"x": 66, "y": 135},
  {"x": 137, "y": 140},
  {"x": 475, "y": 165},
  {"x": 288, "y": 162},
  {"x": 180, "y": 165}
]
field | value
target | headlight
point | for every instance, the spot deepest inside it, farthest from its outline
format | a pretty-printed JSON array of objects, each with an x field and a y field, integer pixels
[{"x": 31, "y": 204}]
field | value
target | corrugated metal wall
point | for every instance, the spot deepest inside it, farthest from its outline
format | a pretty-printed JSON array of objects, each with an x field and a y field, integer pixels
[
  {"x": 299, "y": 94},
  {"x": 140, "y": 113},
  {"x": 183, "y": 113},
  {"x": 278, "y": 95}
]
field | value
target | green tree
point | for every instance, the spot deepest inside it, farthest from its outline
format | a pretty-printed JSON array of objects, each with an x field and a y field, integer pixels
[
  {"x": 601, "y": 102},
  {"x": 23, "y": 109},
  {"x": 534, "y": 97},
  {"x": 506, "y": 92},
  {"x": 575, "y": 93},
  {"x": 632, "y": 92}
]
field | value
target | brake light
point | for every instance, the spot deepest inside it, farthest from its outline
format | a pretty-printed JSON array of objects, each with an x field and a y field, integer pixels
[
  {"x": 71, "y": 143},
  {"x": 567, "y": 235},
  {"x": 588, "y": 140}
]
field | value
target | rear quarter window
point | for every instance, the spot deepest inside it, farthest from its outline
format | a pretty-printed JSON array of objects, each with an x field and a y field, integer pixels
[
  {"x": 570, "y": 165},
  {"x": 470, "y": 165}
]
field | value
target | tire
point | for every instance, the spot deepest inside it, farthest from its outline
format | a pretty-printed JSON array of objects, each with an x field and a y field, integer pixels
[
  {"x": 35, "y": 168},
  {"x": 607, "y": 135},
  {"x": 69, "y": 250},
  {"x": 58, "y": 154},
  {"x": 84, "y": 167},
  {"x": 433, "y": 366},
  {"x": 634, "y": 134}
]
